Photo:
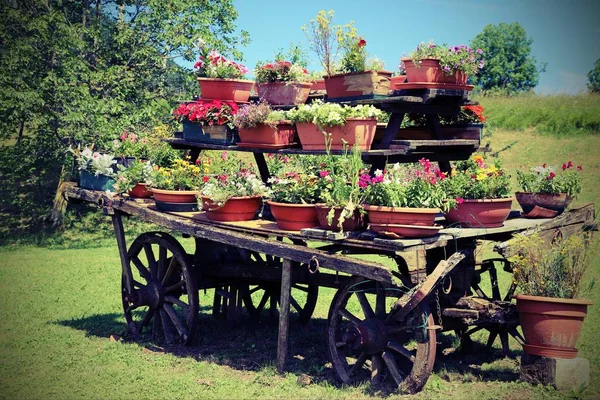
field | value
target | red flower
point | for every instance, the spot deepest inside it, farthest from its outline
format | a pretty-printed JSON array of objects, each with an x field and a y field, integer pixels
[
  {"x": 544, "y": 165},
  {"x": 323, "y": 174},
  {"x": 564, "y": 166},
  {"x": 362, "y": 42},
  {"x": 205, "y": 179},
  {"x": 460, "y": 200},
  {"x": 550, "y": 176},
  {"x": 569, "y": 164},
  {"x": 579, "y": 168}
]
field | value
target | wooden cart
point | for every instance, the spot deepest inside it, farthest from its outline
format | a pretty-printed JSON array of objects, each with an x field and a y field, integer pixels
[{"x": 382, "y": 322}]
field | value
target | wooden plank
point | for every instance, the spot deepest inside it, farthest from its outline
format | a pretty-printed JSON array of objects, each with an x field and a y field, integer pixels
[{"x": 284, "y": 315}]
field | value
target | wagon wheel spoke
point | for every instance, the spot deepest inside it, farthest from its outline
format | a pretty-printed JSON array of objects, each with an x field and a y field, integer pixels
[
  {"x": 263, "y": 301},
  {"x": 376, "y": 369},
  {"x": 398, "y": 348},
  {"x": 147, "y": 318},
  {"x": 479, "y": 292},
  {"x": 295, "y": 304},
  {"x": 390, "y": 362},
  {"x": 360, "y": 361},
  {"x": 511, "y": 292},
  {"x": 172, "y": 266},
  {"x": 253, "y": 290},
  {"x": 504, "y": 342},
  {"x": 162, "y": 261},
  {"x": 301, "y": 288},
  {"x": 176, "y": 321},
  {"x": 141, "y": 268},
  {"x": 137, "y": 284},
  {"x": 491, "y": 339},
  {"x": 176, "y": 301},
  {"x": 515, "y": 334},
  {"x": 156, "y": 325},
  {"x": 349, "y": 316},
  {"x": 166, "y": 327},
  {"x": 494, "y": 283},
  {"x": 380, "y": 301},
  {"x": 151, "y": 260},
  {"x": 364, "y": 304},
  {"x": 176, "y": 286},
  {"x": 396, "y": 329}
]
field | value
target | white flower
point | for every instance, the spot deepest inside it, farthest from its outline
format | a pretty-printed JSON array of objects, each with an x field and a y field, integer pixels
[{"x": 378, "y": 172}]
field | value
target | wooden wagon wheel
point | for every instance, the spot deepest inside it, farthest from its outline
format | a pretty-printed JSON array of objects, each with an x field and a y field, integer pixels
[
  {"x": 363, "y": 345},
  {"x": 164, "y": 301},
  {"x": 488, "y": 267}
]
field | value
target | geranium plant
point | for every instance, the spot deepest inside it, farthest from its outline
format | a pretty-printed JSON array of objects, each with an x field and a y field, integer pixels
[
  {"x": 94, "y": 162},
  {"x": 211, "y": 64},
  {"x": 476, "y": 179},
  {"x": 127, "y": 177},
  {"x": 252, "y": 115},
  {"x": 224, "y": 186},
  {"x": 331, "y": 114},
  {"x": 182, "y": 176},
  {"x": 406, "y": 187},
  {"x": 280, "y": 71},
  {"x": 551, "y": 180},
  {"x": 452, "y": 58},
  {"x": 216, "y": 112}
]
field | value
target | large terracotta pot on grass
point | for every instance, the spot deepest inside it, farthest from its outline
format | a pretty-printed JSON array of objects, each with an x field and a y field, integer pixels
[
  {"x": 294, "y": 217},
  {"x": 284, "y": 93},
  {"x": 234, "y": 209},
  {"x": 484, "y": 213},
  {"x": 401, "y": 215},
  {"x": 355, "y": 223},
  {"x": 174, "y": 196},
  {"x": 225, "y": 89},
  {"x": 551, "y": 326},
  {"x": 430, "y": 71},
  {"x": 356, "y": 131}
]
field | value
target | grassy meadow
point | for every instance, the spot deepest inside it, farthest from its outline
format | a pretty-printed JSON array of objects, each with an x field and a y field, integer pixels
[{"x": 59, "y": 306}]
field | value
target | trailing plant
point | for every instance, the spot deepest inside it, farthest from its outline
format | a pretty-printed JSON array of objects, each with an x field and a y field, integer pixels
[
  {"x": 406, "y": 187},
  {"x": 94, "y": 162},
  {"x": 182, "y": 176},
  {"x": 127, "y": 177},
  {"x": 552, "y": 270},
  {"x": 551, "y": 180},
  {"x": 215, "y": 112},
  {"x": 476, "y": 179},
  {"x": 252, "y": 115},
  {"x": 452, "y": 59},
  {"x": 280, "y": 71},
  {"x": 331, "y": 114}
]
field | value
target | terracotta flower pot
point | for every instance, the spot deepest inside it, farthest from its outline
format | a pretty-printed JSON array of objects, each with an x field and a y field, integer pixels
[
  {"x": 294, "y": 217},
  {"x": 174, "y": 196},
  {"x": 318, "y": 85},
  {"x": 555, "y": 203},
  {"x": 551, "y": 326},
  {"x": 358, "y": 85},
  {"x": 355, "y": 223},
  {"x": 429, "y": 70},
  {"x": 401, "y": 215},
  {"x": 485, "y": 213},
  {"x": 225, "y": 89},
  {"x": 140, "y": 191},
  {"x": 280, "y": 134},
  {"x": 356, "y": 131},
  {"x": 234, "y": 209},
  {"x": 395, "y": 80},
  {"x": 284, "y": 93}
]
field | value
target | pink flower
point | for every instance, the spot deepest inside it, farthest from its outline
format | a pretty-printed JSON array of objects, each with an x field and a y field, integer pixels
[
  {"x": 323, "y": 174},
  {"x": 460, "y": 200},
  {"x": 579, "y": 168},
  {"x": 224, "y": 155},
  {"x": 123, "y": 136},
  {"x": 569, "y": 164}
]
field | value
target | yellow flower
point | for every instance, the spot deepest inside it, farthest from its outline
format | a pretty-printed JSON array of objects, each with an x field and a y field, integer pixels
[
  {"x": 481, "y": 176},
  {"x": 477, "y": 158}
]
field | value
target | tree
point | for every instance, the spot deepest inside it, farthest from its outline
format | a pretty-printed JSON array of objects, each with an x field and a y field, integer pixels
[
  {"x": 594, "y": 78},
  {"x": 84, "y": 71},
  {"x": 509, "y": 65}
]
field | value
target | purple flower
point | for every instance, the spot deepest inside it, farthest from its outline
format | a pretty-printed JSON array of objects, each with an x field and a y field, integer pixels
[
  {"x": 431, "y": 45},
  {"x": 479, "y": 51},
  {"x": 480, "y": 64},
  {"x": 446, "y": 68}
]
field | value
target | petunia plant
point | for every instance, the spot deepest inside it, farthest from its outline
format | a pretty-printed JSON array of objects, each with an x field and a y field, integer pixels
[
  {"x": 280, "y": 71},
  {"x": 452, "y": 58},
  {"x": 211, "y": 64},
  {"x": 551, "y": 180}
]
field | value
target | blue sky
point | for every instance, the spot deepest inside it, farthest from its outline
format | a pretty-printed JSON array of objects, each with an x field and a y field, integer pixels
[{"x": 566, "y": 33}]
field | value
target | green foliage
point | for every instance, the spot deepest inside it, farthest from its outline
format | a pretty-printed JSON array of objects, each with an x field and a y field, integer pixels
[
  {"x": 252, "y": 115},
  {"x": 331, "y": 114},
  {"x": 509, "y": 64},
  {"x": 238, "y": 183},
  {"x": 182, "y": 176},
  {"x": 563, "y": 114},
  {"x": 452, "y": 59},
  {"x": 552, "y": 270},
  {"x": 322, "y": 36},
  {"x": 594, "y": 78},
  {"x": 127, "y": 177},
  {"x": 293, "y": 187},
  {"x": 551, "y": 180}
]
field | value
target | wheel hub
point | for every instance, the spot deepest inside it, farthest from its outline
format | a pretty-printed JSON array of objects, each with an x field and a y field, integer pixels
[
  {"x": 150, "y": 295},
  {"x": 369, "y": 336}
]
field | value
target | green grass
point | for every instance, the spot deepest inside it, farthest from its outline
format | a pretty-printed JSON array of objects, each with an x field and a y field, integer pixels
[
  {"x": 58, "y": 308},
  {"x": 563, "y": 115}
]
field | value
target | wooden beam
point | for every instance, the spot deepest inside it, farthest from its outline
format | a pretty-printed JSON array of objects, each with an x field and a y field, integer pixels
[{"x": 284, "y": 315}]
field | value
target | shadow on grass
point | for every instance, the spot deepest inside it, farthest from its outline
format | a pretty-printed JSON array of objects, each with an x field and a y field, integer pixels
[{"x": 252, "y": 346}]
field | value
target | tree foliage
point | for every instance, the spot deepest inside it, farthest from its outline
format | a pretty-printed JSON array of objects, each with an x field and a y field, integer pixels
[
  {"x": 84, "y": 71},
  {"x": 509, "y": 65},
  {"x": 594, "y": 78}
]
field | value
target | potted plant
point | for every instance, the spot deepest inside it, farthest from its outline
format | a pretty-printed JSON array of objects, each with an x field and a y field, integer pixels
[
  {"x": 547, "y": 190},
  {"x": 259, "y": 126},
  {"x": 282, "y": 83},
  {"x": 96, "y": 170},
  {"x": 550, "y": 279},
  {"x": 405, "y": 201},
  {"x": 208, "y": 121},
  {"x": 341, "y": 195},
  {"x": 220, "y": 78},
  {"x": 354, "y": 126},
  {"x": 292, "y": 200},
  {"x": 130, "y": 146},
  {"x": 133, "y": 179},
  {"x": 354, "y": 77},
  {"x": 399, "y": 76},
  {"x": 478, "y": 194},
  {"x": 442, "y": 64},
  {"x": 234, "y": 196},
  {"x": 175, "y": 188}
]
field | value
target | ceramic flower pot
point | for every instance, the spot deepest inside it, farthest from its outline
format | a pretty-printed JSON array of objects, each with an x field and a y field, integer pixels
[
  {"x": 101, "y": 182},
  {"x": 294, "y": 217},
  {"x": 225, "y": 89},
  {"x": 284, "y": 93},
  {"x": 355, "y": 223},
  {"x": 280, "y": 134},
  {"x": 358, "y": 85},
  {"x": 551, "y": 326},
  {"x": 543, "y": 205},
  {"x": 140, "y": 191},
  {"x": 356, "y": 131},
  {"x": 401, "y": 215},
  {"x": 485, "y": 213},
  {"x": 234, "y": 209},
  {"x": 174, "y": 196},
  {"x": 430, "y": 71}
]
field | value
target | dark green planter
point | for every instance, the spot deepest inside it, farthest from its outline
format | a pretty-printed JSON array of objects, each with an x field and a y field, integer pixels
[
  {"x": 91, "y": 181},
  {"x": 216, "y": 134}
]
